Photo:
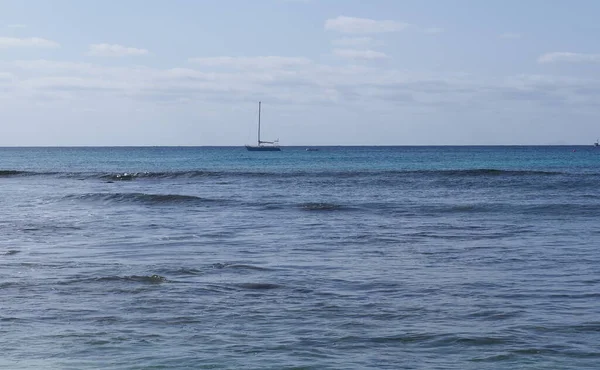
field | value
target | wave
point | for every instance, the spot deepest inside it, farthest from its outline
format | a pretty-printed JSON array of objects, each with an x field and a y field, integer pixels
[
  {"x": 145, "y": 279},
  {"x": 129, "y": 176},
  {"x": 258, "y": 286},
  {"x": 539, "y": 209},
  {"x": 126, "y": 176},
  {"x": 321, "y": 207},
  {"x": 238, "y": 266},
  {"x": 491, "y": 172},
  {"x": 144, "y": 198},
  {"x": 150, "y": 279},
  {"x": 9, "y": 173}
]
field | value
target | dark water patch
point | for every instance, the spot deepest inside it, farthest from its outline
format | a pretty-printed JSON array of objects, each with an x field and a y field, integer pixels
[
  {"x": 10, "y": 319},
  {"x": 150, "y": 279},
  {"x": 50, "y": 229},
  {"x": 391, "y": 339},
  {"x": 559, "y": 329},
  {"x": 12, "y": 284},
  {"x": 9, "y": 173},
  {"x": 451, "y": 340},
  {"x": 11, "y": 252},
  {"x": 322, "y": 206},
  {"x": 458, "y": 236},
  {"x": 258, "y": 286},
  {"x": 585, "y": 296},
  {"x": 477, "y": 172},
  {"x": 561, "y": 209},
  {"x": 142, "y": 198},
  {"x": 19, "y": 173},
  {"x": 215, "y": 266},
  {"x": 145, "y": 279},
  {"x": 541, "y": 209},
  {"x": 270, "y": 206},
  {"x": 187, "y": 271},
  {"x": 238, "y": 266},
  {"x": 494, "y": 358},
  {"x": 535, "y": 351},
  {"x": 496, "y": 315},
  {"x": 493, "y": 172},
  {"x": 248, "y": 267}
]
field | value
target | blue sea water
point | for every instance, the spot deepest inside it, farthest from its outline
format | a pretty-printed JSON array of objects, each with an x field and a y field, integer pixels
[{"x": 342, "y": 258}]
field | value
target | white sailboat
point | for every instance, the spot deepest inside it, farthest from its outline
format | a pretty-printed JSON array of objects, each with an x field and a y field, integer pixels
[{"x": 263, "y": 146}]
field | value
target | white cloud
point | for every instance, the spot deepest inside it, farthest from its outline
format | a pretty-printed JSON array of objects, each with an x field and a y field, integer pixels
[
  {"x": 354, "y": 41},
  {"x": 73, "y": 83},
  {"x": 33, "y": 42},
  {"x": 114, "y": 50},
  {"x": 305, "y": 83},
  {"x": 261, "y": 62},
  {"x": 363, "y": 25},
  {"x": 433, "y": 30},
  {"x": 6, "y": 79},
  {"x": 49, "y": 66},
  {"x": 568, "y": 57},
  {"x": 510, "y": 35},
  {"x": 359, "y": 54}
]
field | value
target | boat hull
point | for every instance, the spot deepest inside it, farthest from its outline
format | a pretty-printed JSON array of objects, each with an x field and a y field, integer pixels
[{"x": 263, "y": 148}]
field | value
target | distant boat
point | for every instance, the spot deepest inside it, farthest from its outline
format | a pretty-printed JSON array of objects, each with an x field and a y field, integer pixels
[
  {"x": 312, "y": 149},
  {"x": 263, "y": 146},
  {"x": 597, "y": 143}
]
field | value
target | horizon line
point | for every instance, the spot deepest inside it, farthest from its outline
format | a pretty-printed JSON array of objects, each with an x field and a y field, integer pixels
[{"x": 290, "y": 146}]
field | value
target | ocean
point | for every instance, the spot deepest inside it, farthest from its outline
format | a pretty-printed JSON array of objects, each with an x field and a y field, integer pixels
[{"x": 341, "y": 258}]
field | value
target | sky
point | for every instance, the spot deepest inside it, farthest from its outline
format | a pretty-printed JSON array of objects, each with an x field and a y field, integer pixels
[{"x": 328, "y": 72}]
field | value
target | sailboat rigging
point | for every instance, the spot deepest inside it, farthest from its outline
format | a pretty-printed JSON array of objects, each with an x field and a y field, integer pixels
[{"x": 267, "y": 146}]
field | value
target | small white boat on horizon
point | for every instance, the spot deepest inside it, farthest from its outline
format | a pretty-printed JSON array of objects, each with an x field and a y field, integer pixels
[{"x": 271, "y": 146}]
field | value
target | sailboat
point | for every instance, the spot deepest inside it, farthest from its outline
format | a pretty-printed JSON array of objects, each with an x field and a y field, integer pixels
[
  {"x": 263, "y": 146},
  {"x": 597, "y": 143}
]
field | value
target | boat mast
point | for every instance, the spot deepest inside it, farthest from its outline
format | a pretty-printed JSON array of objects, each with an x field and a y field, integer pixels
[{"x": 259, "y": 123}]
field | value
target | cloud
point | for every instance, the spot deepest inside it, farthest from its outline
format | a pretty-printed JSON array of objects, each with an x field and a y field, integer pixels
[
  {"x": 260, "y": 62},
  {"x": 299, "y": 81},
  {"x": 510, "y": 35},
  {"x": 16, "y": 26},
  {"x": 73, "y": 84},
  {"x": 359, "y": 54},
  {"x": 354, "y": 41},
  {"x": 114, "y": 50},
  {"x": 6, "y": 79},
  {"x": 353, "y": 25},
  {"x": 31, "y": 42},
  {"x": 433, "y": 30},
  {"x": 568, "y": 57}
]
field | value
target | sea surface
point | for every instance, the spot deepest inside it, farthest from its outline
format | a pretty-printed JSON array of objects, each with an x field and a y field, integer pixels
[{"x": 341, "y": 258}]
